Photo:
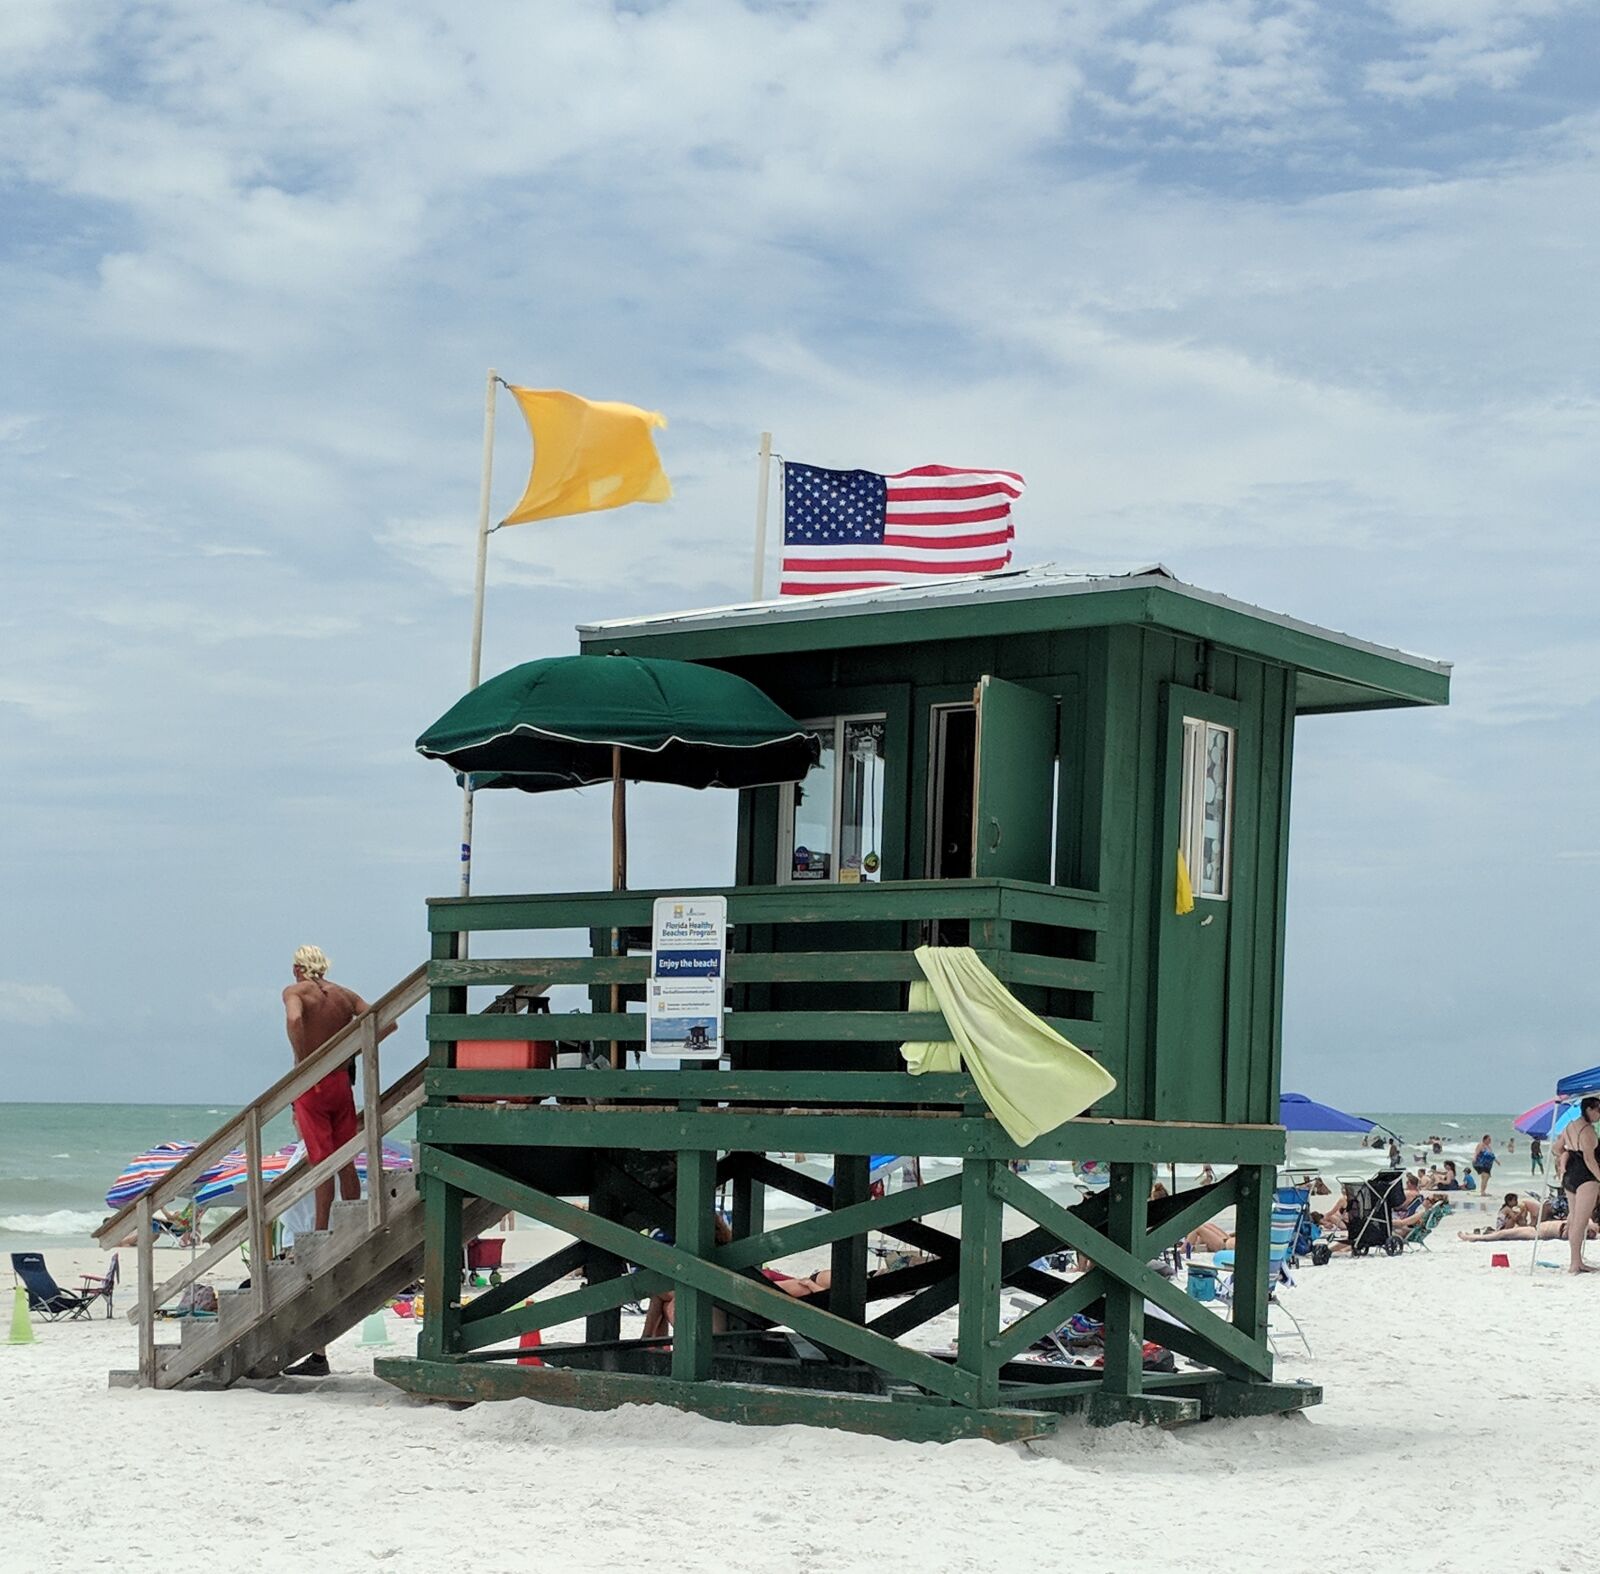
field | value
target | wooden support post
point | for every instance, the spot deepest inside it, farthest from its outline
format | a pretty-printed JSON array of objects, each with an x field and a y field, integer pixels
[
  {"x": 1125, "y": 1224},
  {"x": 256, "y": 1211},
  {"x": 749, "y": 1207},
  {"x": 979, "y": 1315},
  {"x": 847, "y": 1296},
  {"x": 1252, "y": 1244},
  {"x": 446, "y": 1000},
  {"x": 146, "y": 1225},
  {"x": 372, "y": 1119},
  {"x": 991, "y": 937},
  {"x": 599, "y": 1267},
  {"x": 441, "y": 1269},
  {"x": 696, "y": 1235}
]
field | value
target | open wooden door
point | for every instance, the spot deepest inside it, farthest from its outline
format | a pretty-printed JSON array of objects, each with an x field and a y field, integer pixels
[{"x": 1015, "y": 774}]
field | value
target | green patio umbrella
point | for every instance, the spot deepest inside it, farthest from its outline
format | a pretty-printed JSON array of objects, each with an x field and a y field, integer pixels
[{"x": 570, "y": 721}]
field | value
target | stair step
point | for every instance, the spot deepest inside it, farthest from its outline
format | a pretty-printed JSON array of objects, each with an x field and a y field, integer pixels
[{"x": 348, "y": 1217}]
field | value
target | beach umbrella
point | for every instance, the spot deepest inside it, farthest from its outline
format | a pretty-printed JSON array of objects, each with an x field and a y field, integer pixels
[
  {"x": 224, "y": 1184},
  {"x": 1541, "y": 1121},
  {"x": 571, "y": 721},
  {"x": 1579, "y": 1082},
  {"x": 145, "y": 1169},
  {"x": 1298, "y": 1113}
]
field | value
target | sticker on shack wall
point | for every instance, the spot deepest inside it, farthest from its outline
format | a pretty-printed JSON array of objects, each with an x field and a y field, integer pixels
[{"x": 688, "y": 968}]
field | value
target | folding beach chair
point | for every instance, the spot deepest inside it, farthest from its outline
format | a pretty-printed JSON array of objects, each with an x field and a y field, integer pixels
[
  {"x": 45, "y": 1296},
  {"x": 1293, "y": 1194},
  {"x": 1285, "y": 1231},
  {"x": 1418, "y": 1234},
  {"x": 100, "y": 1287}
]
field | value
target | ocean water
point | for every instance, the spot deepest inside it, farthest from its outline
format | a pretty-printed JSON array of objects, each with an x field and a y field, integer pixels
[{"x": 58, "y": 1160}]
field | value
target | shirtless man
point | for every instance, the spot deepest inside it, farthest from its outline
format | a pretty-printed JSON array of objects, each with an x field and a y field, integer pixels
[{"x": 325, "y": 1114}]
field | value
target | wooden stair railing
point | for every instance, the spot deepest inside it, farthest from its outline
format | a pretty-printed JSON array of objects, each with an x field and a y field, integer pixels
[{"x": 383, "y": 1111}]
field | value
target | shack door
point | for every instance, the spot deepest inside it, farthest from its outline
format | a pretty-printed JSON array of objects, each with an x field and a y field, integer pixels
[
  {"x": 1012, "y": 808},
  {"x": 1201, "y": 764}
]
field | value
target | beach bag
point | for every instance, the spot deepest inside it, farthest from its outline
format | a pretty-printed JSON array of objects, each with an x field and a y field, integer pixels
[{"x": 198, "y": 1298}]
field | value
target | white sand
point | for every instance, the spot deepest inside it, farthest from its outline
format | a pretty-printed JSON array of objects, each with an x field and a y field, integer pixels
[{"x": 1446, "y": 1382}]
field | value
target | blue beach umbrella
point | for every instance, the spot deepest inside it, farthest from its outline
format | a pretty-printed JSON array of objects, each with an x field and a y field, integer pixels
[
  {"x": 1298, "y": 1113},
  {"x": 1569, "y": 1087}
]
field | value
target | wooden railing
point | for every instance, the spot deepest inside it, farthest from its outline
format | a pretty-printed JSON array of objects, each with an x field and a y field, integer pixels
[
  {"x": 1061, "y": 952},
  {"x": 383, "y": 1110}
]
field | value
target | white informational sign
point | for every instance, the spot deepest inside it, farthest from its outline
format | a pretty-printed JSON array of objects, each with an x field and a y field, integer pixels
[{"x": 688, "y": 972}]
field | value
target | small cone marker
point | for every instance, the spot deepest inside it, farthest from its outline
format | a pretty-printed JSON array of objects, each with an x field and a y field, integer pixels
[
  {"x": 21, "y": 1327},
  {"x": 375, "y": 1331}
]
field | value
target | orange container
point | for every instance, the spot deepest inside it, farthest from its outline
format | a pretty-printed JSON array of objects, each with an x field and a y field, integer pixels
[{"x": 501, "y": 1054}]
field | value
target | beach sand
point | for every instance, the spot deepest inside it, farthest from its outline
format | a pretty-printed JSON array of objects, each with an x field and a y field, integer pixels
[{"x": 1451, "y": 1388}]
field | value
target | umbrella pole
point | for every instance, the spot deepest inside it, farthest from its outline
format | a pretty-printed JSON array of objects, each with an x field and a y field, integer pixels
[{"x": 619, "y": 874}]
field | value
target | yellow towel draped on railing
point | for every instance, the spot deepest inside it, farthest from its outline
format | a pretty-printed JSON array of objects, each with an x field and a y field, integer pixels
[{"x": 1029, "y": 1075}]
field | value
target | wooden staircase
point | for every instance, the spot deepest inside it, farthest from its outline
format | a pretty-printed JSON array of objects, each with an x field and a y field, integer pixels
[{"x": 332, "y": 1278}]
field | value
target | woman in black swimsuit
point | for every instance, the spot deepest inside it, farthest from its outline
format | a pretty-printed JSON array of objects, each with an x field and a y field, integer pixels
[{"x": 1580, "y": 1179}]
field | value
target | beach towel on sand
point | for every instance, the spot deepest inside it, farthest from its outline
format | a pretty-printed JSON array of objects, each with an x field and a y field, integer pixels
[{"x": 1029, "y": 1075}]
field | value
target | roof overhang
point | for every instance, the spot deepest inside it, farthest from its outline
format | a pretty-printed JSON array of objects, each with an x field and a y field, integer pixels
[{"x": 1334, "y": 671}]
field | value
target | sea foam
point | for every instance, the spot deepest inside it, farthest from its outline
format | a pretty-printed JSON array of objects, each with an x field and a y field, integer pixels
[{"x": 64, "y": 1221}]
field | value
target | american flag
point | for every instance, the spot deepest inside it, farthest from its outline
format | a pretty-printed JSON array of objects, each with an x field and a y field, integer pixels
[{"x": 854, "y": 529}]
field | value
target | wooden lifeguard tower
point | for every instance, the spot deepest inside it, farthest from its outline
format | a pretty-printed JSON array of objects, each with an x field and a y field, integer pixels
[{"x": 1015, "y": 762}]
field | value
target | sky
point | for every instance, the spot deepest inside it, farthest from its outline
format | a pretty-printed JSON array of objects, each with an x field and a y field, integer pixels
[{"x": 1296, "y": 299}]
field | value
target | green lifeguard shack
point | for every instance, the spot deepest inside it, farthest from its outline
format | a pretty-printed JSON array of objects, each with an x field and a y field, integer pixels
[{"x": 1017, "y": 762}]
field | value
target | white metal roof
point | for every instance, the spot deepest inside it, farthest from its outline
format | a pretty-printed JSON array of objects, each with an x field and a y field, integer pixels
[{"x": 1010, "y": 584}]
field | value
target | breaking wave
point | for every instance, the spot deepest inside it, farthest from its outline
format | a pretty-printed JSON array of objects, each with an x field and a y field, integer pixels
[{"x": 64, "y": 1221}]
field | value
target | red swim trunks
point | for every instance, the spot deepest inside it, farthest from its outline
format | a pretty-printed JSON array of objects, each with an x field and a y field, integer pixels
[{"x": 326, "y": 1116}]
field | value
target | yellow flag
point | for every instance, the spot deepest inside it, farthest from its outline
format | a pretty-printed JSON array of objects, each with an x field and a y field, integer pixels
[
  {"x": 1185, "y": 898},
  {"x": 587, "y": 455}
]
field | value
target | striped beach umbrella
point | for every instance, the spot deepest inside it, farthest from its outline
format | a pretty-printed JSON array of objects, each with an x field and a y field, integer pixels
[
  {"x": 144, "y": 1170},
  {"x": 1545, "y": 1119},
  {"x": 224, "y": 1183}
]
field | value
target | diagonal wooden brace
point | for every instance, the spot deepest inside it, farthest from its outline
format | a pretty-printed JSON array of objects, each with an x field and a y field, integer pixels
[{"x": 1135, "y": 1273}]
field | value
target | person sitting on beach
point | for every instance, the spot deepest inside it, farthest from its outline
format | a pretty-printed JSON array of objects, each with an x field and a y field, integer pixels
[
  {"x": 1514, "y": 1212},
  {"x": 1449, "y": 1181}
]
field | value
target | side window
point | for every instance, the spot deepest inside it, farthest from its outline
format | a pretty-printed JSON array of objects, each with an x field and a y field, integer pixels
[
  {"x": 1205, "y": 830},
  {"x": 833, "y": 820}
]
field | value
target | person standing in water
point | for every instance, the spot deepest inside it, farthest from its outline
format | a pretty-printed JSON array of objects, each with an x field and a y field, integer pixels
[{"x": 315, "y": 1008}]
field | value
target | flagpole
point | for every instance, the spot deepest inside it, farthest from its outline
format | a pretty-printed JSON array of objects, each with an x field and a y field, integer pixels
[
  {"x": 761, "y": 513},
  {"x": 477, "y": 620}
]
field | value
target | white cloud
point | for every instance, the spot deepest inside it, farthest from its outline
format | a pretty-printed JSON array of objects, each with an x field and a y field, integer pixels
[
  {"x": 1458, "y": 44},
  {"x": 35, "y": 1005}
]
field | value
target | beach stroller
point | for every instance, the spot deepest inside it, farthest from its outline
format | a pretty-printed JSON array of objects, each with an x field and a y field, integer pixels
[
  {"x": 1369, "y": 1213},
  {"x": 44, "y": 1294}
]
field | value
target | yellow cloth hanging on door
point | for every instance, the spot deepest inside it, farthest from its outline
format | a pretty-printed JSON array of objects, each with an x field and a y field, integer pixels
[
  {"x": 1029, "y": 1075},
  {"x": 1184, "y": 901}
]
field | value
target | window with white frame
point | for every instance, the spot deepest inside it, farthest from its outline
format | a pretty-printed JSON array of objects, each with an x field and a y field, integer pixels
[
  {"x": 1205, "y": 829},
  {"x": 832, "y": 821}
]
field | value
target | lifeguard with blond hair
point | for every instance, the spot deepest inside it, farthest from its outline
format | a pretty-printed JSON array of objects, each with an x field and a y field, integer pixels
[{"x": 315, "y": 1008}]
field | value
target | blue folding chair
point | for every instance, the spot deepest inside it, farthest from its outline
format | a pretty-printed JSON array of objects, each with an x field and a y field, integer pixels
[{"x": 1285, "y": 1230}]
